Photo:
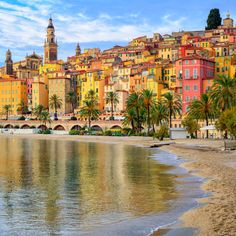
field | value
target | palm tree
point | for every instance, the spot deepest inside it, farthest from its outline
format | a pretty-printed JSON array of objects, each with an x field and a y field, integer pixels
[
  {"x": 135, "y": 102},
  {"x": 90, "y": 111},
  {"x": 148, "y": 102},
  {"x": 7, "y": 109},
  {"x": 91, "y": 95},
  {"x": 38, "y": 111},
  {"x": 159, "y": 114},
  {"x": 130, "y": 116},
  {"x": 22, "y": 107},
  {"x": 45, "y": 117},
  {"x": 223, "y": 92},
  {"x": 202, "y": 109},
  {"x": 71, "y": 98},
  {"x": 113, "y": 99},
  {"x": 173, "y": 104},
  {"x": 55, "y": 103}
]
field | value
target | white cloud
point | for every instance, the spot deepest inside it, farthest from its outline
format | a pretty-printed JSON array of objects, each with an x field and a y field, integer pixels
[{"x": 25, "y": 25}]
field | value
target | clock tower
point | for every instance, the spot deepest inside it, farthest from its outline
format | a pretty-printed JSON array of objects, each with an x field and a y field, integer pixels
[{"x": 50, "y": 44}]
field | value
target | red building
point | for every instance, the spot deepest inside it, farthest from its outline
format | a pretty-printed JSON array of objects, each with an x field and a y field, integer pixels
[{"x": 195, "y": 75}]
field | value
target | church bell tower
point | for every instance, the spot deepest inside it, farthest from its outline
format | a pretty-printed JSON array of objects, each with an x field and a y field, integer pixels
[
  {"x": 50, "y": 45},
  {"x": 8, "y": 63}
]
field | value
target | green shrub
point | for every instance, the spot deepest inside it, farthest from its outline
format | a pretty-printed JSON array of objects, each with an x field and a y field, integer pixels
[
  {"x": 21, "y": 118},
  {"x": 162, "y": 133},
  {"x": 47, "y": 131},
  {"x": 73, "y": 118},
  {"x": 108, "y": 132},
  {"x": 74, "y": 132}
]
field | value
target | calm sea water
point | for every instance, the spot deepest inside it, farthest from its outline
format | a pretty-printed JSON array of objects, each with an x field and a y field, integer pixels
[{"x": 50, "y": 187}]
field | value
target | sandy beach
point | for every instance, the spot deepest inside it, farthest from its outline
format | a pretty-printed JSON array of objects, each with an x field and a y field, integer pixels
[{"x": 216, "y": 214}]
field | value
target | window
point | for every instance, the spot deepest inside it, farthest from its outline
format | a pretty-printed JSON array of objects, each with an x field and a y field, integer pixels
[
  {"x": 195, "y": 87},
  {"x": 187, "y": 74},
  {"x": 195, "y": 73},
  {"x": 186, "y": 87},
  {"x": 194, "y": 98},
  {"x": 187, "y": 99},
  {"x": 186, "y": 62},
  {"x": 217, "y": 69}
]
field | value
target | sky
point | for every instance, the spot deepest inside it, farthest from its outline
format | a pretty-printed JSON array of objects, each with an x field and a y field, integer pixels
[{"x": 97, "y": 23}]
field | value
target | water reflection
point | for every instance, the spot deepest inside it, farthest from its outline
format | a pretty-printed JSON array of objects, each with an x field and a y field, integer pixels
[{"x": 63, "y": 186}]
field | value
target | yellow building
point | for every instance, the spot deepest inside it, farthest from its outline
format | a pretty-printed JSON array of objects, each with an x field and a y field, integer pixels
[
  {"x": 92, "y": 80},
  {"x": 61, "y": 86},
  {"x": 12, "y": 92},
  {"x": 155, "y": 80},
  {"x": 222, "y": 66},
  {"x": 40, "y": 91}
]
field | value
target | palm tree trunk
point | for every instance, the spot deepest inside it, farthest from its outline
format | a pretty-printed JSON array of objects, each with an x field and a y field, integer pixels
[
  {"x": 132, "y": 124},
  {"x": 148, "y": 110},
  {"x": 170, "y": 120},
  {"x": 207, "y": 131},
  {"x": 138, "y": 120},
  {"x": 112, "y": 110},
  {"x": 55, "y": 114},
  {"x": 153, "y": 128}
]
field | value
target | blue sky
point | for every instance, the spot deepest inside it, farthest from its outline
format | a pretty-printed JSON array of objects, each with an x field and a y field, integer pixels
[{"x": 97, "y": 23}]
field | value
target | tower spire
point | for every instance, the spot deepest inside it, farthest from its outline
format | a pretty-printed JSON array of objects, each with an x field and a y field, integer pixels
[{"x": 50, "y": 45}]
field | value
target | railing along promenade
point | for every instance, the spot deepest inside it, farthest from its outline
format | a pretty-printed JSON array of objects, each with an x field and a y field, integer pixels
[{"x": 66, "y": 125}]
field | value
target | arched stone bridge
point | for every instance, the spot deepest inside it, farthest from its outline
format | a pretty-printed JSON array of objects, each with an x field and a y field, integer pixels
[{"x": 60, "y": 124}]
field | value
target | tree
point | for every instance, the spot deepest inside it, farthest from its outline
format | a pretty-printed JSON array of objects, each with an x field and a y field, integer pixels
[
  {"x": 71, "y": 98},
  {"x": 130, "y": 117},
  {"x": 113, "y": 99},
  {"x": 38, "y": 111},
  {"x": 45, "y": 117},
  {"x": 7, "y": 109},
  {"x": 148, "y": 102},
  {"x": 91, "y": 96},
  {"x": 223, "y": 92},
  {"x": 173, "y": 104},
  {"x": 227, "y": 122},
  {"x": 89, "y": 111},
  {"x": 159, "y": 114},
  {"x": 214, "y": 19},
  {"x": 22, "y": 107},
  {"x": 55, "y": 103},
  {"x": 135, "y": 102},
  {"x": 202, "y": 109},
  {"x": 191, "y": 126}
]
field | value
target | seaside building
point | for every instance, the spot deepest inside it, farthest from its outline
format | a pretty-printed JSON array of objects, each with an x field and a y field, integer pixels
[
  {"x": 196, "y": 75},
  {"x": 12, "y": 92}
]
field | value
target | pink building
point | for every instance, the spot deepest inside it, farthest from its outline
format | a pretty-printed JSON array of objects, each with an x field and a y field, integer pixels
[{"x": 195, "y": 75}]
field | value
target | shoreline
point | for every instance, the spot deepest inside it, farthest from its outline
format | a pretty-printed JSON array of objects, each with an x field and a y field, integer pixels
[{"x": 215, "y": 214}]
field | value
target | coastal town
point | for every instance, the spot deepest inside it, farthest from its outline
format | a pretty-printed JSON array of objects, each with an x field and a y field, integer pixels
[
  {"x": 137, "y": 139},
  {"x": 182, "y": 64}
]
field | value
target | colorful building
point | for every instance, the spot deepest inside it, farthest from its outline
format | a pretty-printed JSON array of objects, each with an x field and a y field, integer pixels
[{"x": 196, "y": 74}]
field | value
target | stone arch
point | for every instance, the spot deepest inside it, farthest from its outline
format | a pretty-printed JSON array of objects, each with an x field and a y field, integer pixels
[
  {"x": 8, "y": 126},
  {"x": 42, "y": 127},
  {"x": 76, "y": 127},
  {"x": 25, "y": 126},
  {"x": 116, "y": 127},
  {"x": 59, "y": 127},
  {"x": 96, "y": 128}
]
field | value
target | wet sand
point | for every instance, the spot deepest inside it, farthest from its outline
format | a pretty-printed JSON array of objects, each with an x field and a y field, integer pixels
[{"x": 216, "y": 214}]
